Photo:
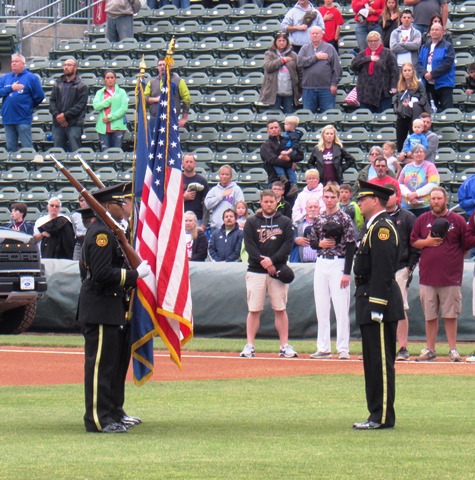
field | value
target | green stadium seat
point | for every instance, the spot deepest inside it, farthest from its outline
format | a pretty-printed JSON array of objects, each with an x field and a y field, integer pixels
[
  {"x": 244, "y": 27},
  {"x": 239, "y": 118},
  {"x": 448, "y": 137},
  {"x": 211, "y": 117},
  {"x": 219, "y": 11},
  {"x": 168, "y": 12},
  {"x": 159, "y": 30},
  {"x": 247, "y": 11},
  {"x": 44, "y": 176},
  {"x": 251, "y": 80},
  {"x": 206, "y": 45},
  {"x": 466, "y": 140},
  {"x": 17, "y": 176},
  {"x": 254, "y": 177},
  {"x": 445, "y": 157},
  {"x": 448, "y": 117},
  {"x": 274, "y": 10},
  {"x": 127, "y": 45},
  {"x": 9, "y": 194},
  {"x": 231, "y": 62},
  {"x": 238, "y": 44},
  {"x": 234, "y": 137}
]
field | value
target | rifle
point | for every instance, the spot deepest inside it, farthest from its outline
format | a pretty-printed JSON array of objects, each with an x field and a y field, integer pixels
[
  {"x": 131, "y": 255},
  {"x": 95, "y": 179}
]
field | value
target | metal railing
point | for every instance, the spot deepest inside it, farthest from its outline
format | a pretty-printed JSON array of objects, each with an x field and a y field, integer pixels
[{"x": 55, "y": 13}]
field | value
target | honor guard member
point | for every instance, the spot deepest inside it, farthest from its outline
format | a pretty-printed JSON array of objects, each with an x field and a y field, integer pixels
[
  {"x": 378, "y": 305},
  {"x": 103, "y": 305}
]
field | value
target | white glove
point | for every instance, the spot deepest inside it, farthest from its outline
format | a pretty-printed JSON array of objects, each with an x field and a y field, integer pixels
[
  {"x": 144, "y": 269},
  {"x": 377, "y": 317}
]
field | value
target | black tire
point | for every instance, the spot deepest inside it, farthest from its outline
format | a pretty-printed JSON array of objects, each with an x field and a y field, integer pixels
[{"x": 18, "y": 320}]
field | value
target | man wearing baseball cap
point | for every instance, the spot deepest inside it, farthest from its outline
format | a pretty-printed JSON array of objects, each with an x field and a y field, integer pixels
[{"x": 378, "y": 305}]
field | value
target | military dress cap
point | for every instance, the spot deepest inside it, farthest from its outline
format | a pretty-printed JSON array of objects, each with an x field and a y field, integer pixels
[
  {"x": 371, "y": 190},
  {"x": 116, "y": 192}
]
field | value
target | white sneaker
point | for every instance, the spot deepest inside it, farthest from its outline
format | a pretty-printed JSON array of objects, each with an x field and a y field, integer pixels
[
  {"x": 247, "y": 351},
  {"x": 343, "y": 356},
  {"x": 471, "y": 358},
  {"x": 287, "y": 351}
]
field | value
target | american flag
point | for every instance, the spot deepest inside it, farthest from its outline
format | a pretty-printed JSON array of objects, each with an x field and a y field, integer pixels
[{"x": 165, "y": 294}]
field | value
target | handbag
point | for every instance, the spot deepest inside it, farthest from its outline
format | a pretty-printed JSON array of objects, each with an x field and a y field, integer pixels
[{"x": 352, "y": 98}]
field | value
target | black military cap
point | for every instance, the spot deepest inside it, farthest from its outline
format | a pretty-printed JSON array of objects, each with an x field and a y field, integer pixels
[
  {"x": 371, "y": 190},
  {"x": 439, "y": 228},
  {"x": 116, "y": 192}
]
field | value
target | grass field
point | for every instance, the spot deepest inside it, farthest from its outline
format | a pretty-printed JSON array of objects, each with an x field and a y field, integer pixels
[
  {"x": 268, "y": 428},
  {"x": 294, "y": 427}
]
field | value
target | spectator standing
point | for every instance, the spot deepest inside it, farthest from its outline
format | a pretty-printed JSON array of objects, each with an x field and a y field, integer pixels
[
  {"x": 282, "y": 84},
  {"x": 283, "y": 206},
  {"x": 408, "y": 103},
  {"x": 329, "y": 157},
  {"x": 466, "y": 195},
  {"x": 470, "y": 243},
  {"x": 436, "y": 68},
  {"x": 196, "y": 241},
  {"x": 351, "y": 208},
  {"x": 196, "y": 188},
  {"x": 271, "y": 152},
  {"x": 302, "y": 251},
  {"x": 440, "y": 235},
  {"x": 415, "y": 138},
  {"x": 79, "y": 228},
  {"x": 367, "y": 15},
  {"x": 369, "y": 172},
  {"x": 19, "y": 211},
  {"x": 242, "y": 213},
  {"x": 425, "y": 9},
  {"x": 55, "y": 232},
  {"x": 297, "y": 22},
  {"x": 470, "y": 80},
  {"x": 333, "y": 237},
  {"x": 111, "y": 102},
  {"x": 404, "y": 221},
  {"x": 268, "y": 239},
  {"x": 321, "y": 72},
  {"x": 21, "y": 92},
  {"x": 222, "y": 196},
  {"x": 153, "y": 90},
  {"x": 333, "y": 20},
  {"x": 378, "y": 74},
  {"x": 389, "y": 152},
  {"x": 406, "y": 40},
  {"x": 382, "y": 178},
  {"x": 225, "y": 243},
  {"x": 378, "y": 305},
  {"x": 389, "y": 20},
  {"x": 314, "y": 189},
  {"x": 416, "y": 180},
  {"x": 120, "y": 19},
  {"x": 67, "y": 105}
]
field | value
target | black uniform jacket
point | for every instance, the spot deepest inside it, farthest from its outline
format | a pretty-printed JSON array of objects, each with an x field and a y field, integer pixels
[
  {"x": 105, "y": 278},
  {"x": 376, "y": 262}
]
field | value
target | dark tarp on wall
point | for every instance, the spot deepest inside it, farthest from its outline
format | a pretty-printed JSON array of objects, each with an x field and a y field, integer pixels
[{"x": 219, "y": 302}]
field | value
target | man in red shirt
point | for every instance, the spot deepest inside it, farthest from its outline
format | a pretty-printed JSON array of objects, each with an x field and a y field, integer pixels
[
  {"x": 382, "y": 177},
  {"x": 440, "y": 234}
]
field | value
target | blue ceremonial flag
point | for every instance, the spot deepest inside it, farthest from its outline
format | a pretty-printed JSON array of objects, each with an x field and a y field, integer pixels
[
  {"x": 142, "y": 140},
  {"x": 163, "y": 300}
]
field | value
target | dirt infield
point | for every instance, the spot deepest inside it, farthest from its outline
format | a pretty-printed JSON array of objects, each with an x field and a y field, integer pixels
[{"x": 46, "y": 366}]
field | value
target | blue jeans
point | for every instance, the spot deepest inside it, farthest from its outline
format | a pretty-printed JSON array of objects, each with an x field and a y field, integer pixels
[
  {"x": 291, "y": 175},
  {"x": 318, "y": 99},
  {"x": 20, "y": 132},
  {"x": 119, "y": 28},
  {"x": 362, "y": 30},
  {"x": 421, "y": 28},
  {"x": 181, "y": 3},
  {"x": 63, "y": 136},
  {"x": 384, "y": 104},
  {"x": 111, "y": 140},
  {"x": 286, "y": 104}
]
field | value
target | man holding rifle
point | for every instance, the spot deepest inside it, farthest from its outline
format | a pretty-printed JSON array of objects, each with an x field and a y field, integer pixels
[{"x": 102, "y": 313}]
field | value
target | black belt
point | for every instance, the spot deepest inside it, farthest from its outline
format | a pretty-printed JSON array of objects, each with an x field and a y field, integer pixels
[
  {"x": 361, "y": 280},
  {"x": 331, "y": 257}
]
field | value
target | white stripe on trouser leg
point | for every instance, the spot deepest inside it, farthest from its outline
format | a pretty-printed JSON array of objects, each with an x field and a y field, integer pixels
[
  {"x": 96, "y": 377},
  {"x": 327, "y": 280},
  {"x": 385, "y": 374}
]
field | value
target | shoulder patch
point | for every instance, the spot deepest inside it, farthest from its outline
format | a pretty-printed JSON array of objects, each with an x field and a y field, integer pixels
[
  {"x": 102, "y": 240},
  {"x": 383, "y": 234}
]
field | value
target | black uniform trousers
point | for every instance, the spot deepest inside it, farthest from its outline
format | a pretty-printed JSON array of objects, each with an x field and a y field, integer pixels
[
  {"x": 379, "y": 355},
  {"x": 123, "y": 362},
  {"x": 102, "y": 379}
]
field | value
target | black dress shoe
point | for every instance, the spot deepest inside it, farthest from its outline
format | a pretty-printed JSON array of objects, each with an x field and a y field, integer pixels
[
  {"x": 128, "y": 421},
  {"x": 368, "y": 425},
  {"x": 114, "y": 427}
]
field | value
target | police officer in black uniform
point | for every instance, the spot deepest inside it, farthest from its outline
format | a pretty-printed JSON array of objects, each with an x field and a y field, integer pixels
[
  {"x": 103, "y": 305},
  {"x": 378, "y": 305}
]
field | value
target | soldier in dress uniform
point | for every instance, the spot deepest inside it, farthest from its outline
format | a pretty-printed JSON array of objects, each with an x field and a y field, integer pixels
[
  {"x": 379, "y": 305},
  {"x": 102, "y": 311}
]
